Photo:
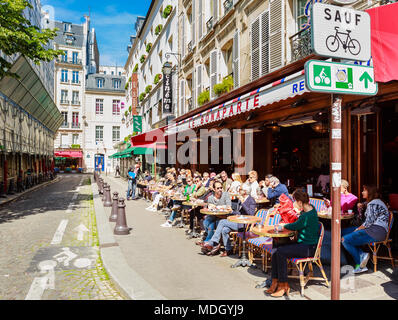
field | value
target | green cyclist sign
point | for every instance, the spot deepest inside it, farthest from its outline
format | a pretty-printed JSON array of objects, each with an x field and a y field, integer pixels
[
  {"x": 332, "y": 77},
  {"x": 137, "y": 123}
]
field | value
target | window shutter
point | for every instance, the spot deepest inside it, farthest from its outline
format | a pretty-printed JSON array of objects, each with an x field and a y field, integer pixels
[
  {"x": 255, "y": 49},
  {"x": 193, "y": 22},
  {"x": 200, "y": 19},
  {"x": 198, "y": 82},
  {"x": 277, "y": 13},
  {"x": 235, "y": 59},
  {"x": 265, "y": 43},
  {"x": 193, "y": 91},
  {"x": 213, "y": 72},
  {"x": 183, "y": 36},
  {"x": 215, "y": 11},
  {"x": 182, "y": 97}
]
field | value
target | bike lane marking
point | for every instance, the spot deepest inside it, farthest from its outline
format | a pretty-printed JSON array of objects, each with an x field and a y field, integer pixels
[
  {"x": 59, "y": 234},
  {"x": 37, "y": 288}
]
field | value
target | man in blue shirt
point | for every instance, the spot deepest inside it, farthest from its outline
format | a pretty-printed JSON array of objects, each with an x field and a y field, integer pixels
[{"x": 275, "y": 190}]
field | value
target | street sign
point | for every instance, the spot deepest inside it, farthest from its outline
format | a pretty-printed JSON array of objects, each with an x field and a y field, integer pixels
[
  {"x": 137, "y": 123},
  {"x": 333, "y": 77},
  {"x": 340, "y": 32}
]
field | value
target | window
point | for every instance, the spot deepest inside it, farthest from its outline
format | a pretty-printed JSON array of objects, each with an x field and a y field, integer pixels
[
  {"x": 115, "y": 134},
  {"x": 99, "y": 106},
  {"x": 99, "y": 133},
  {"x": 64, "y": 96},
  {"x": 75, "y": 139},
  {"x": 67, "y": 27},
  {"x": 113, "y": 73},
  {"x": 301, "y": 18},
  {"x": 64, "y": 140},
  {"x": 75, "y": 77},
  {"x": 65, "y": 56},
  {"x": 120, "y": 73},
  {"x": 75, "y": 97},
  {"x": 65, "y": 116},
  {"x": 75, "y": 56},
  {"x": 116, "y": 83},
  {"x": 75, "y": 119},
  {"x": 100, "y": 82},
  {"x": 116, "y": 107},
  {"x": 64, "y": 75}
]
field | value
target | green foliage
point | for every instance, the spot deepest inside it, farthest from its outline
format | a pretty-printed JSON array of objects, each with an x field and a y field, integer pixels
[
  {"x": 158, "y": 77},
  {"x": 167, "y": 11},
  {"x": 204, "y": 97},
  {"x": 148, "y": 89},
  {"x": 75, "y": 146},
  {"x": 143, "y": 57},
  {"x": 18, "y": 35},
  {"x": 158, "y": 29},
  {"x": 130, "y": 108},
  {"x": 142, "y": 96},
  {"x": 148, "y": 47},
  {"x": 126, "y": 113},
  {"x": 225, "y": 86},
  {"x": 135, "y": 68},
  {"x": 126, "y": 86}
]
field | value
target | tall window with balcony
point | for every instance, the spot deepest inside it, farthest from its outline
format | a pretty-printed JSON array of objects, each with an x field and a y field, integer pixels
[
  {"x": 75, "y": 98},
  {"x": 100, "y": 82},
  {"x": 99, "y": 134},
  {"x": 75, "y": 120},
  {"x": 116, "y": 107},
  {"x": 115, "y": 134},
  {"x": 75, "y": 140},
  {"x": 64, "y": 97},
  {"x": 75, "y": 56},
  {"x": 64, "y": 75},
  {"x": 301, "y": 40},
  {"x": 99, "y": 106},
  {"x": 65, "y": 116},
  {"x": 64, "y": 57},
  {"x": 75, "y": 77},
  {"x": 116, "y": 83}
]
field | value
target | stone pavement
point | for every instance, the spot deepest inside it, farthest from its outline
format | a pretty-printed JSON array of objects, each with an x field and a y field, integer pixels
[{"x": 172, "y": 267}]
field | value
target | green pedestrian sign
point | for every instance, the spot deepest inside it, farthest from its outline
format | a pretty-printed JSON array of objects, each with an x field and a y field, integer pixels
[
  {"x": 333, "y": 77},
  {"x": 137, "y": 123}
]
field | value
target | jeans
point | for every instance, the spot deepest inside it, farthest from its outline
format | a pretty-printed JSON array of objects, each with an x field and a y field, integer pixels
[
  {"x": 223, "y": 229},
  {"x": 353, "y": 241},
  {"x": 282, "y": 253},
  {"x": 209, "y": 225},
  {"x": 129, "y": 188},
  {"x": 134, "y": 187}
]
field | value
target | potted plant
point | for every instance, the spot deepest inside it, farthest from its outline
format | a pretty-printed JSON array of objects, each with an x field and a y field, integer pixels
[
  {"x": 143, "y": 57},
  {"x": 148, "y": 89},
  {"x": 204, "y": 97},
  {"x": 148, "y": 47},
  {"x": 158, "y": 29},
  {"x": 126, "y": 113},
  {"x": 225, "y": 86},
  {"x": 135, "y": 68},
  {"x": 167, "y": 11},
  {"x": 142, "y": 96},
  {"x": 158, "y": 77},
  {"x": 130, "y": 108}
]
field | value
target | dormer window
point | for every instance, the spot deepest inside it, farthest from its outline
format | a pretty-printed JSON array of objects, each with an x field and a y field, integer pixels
[
  {"x": 67, "y": 27},
  {"x": 69, "y": 39},
  {"x": 100, "y": 82}
]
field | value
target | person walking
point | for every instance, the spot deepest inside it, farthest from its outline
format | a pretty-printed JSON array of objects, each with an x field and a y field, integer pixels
[
  {"x": 117, "y": 171},
  {"x": 130, "y": 177}
]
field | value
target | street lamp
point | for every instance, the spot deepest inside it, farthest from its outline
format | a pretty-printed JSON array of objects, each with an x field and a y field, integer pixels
[{"x": 167, "y": 68}]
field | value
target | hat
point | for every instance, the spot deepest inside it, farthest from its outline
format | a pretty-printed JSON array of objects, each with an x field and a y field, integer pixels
[{"x": 212, "y": 175}]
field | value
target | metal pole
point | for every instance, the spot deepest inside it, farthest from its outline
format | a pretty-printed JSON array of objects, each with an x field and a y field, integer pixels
[
  {"x": 335, "y": 184},
  {"x": 155, "y": 162}
]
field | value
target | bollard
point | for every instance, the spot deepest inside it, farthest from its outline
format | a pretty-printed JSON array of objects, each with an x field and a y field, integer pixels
[
  {"x": 115, "y": 202},
  {"x": 101, "y": 187},
  {"x": 108, "y": 199},
  {"x": 104, "y": 186},
  {"x": 121, "y": 228}
]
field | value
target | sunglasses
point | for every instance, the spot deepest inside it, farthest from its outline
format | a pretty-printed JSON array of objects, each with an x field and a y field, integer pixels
[{"x": 219, "y": 188}]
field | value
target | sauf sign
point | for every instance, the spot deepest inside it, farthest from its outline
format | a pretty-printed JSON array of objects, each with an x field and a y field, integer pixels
[{"x": 340, "y": 32}]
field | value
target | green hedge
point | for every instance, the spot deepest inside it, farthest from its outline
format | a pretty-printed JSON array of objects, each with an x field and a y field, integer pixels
[
  {"x": 158, "y": 77},
  {"x": 148, "y": 89},
  {"x": 158, "y": 29},
  {"x": 167, "y": 11},
  {"x": 204, "y": 97},
  {"x": 225, "y": 86},
  {"x": 135, "y": 68},
  {"x": 142, "y": 96},
  {"x": 142, "y": 59}
]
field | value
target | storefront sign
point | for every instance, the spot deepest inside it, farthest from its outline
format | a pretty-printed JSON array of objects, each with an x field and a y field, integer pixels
[
  {"x": 137, "y": 123},
  {"x": 167, "y": 93},
  {"x": 331, "y": 77},
  {"x": 288, "y": 87},
  {"x": 340, "y": 32}
]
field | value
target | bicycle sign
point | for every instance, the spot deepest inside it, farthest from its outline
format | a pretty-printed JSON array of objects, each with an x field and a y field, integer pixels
[
  {"x": 340, "y": 32},
  {"x": 332, "y": 77}
]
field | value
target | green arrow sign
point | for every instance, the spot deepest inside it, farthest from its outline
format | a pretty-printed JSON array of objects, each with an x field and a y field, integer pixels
[
  {"x": 366, "y": 78},
  {"x": 345, "y": 78}
]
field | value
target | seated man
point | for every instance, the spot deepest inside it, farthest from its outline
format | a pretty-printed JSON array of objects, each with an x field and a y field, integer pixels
[
  {"x": 275, "y": 190},
  {"x": 247, "y": 206},
  {"x": 199, "y": 193},
  {"x": 219, "y": 198}
]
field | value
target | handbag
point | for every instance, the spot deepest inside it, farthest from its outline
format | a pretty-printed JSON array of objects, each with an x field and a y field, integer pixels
[{"x": 286, "y": 210}]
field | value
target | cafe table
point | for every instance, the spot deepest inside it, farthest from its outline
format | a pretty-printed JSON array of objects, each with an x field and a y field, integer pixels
[
  {"x": 194, "y": 205},
  {"x": 216, "y": 213},
  {"x": 277, "y": 236},
  {"x": 262, "y": 202},
  {"x": 179, "y": 198},
  {"x": 242, "y": 219},
  {"x": 345, "y": 219}
]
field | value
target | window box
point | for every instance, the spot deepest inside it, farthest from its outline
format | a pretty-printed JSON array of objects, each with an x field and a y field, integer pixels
[
  {"x": 158, "y": 77},
  {"x": 148, "y": 47},
  {"x": 158, "y": 29},
  {"x": 167, "y": 11}
]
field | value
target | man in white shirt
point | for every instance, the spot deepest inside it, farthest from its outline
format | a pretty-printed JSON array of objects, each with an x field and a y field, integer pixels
[{"x": 252, "y": 182}]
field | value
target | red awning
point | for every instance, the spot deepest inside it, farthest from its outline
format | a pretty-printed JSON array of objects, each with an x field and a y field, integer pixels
[
  {"x": 151, "y": 139},
  {"x": 69, "y": 154}
]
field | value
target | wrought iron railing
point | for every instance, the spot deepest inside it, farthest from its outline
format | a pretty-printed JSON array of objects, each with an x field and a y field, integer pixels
[
  {"x": 190, "y": 104},
  {"x": 75, "y": 125},
  {"x": 190, "y": 49},
  {"x": 209, "y": 24},
  {"x": 301, "y": 44},
  {"x": 65, "y": 125},
  {"x": 75, "y": 103},
  {"x": 64, "y": 101},
  {"x": 73, "y": 61},
  {"x": 228, "y": 4}
]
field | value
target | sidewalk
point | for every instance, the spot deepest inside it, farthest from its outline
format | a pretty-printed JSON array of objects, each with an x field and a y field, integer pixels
[{"x": 163, "y": 263}]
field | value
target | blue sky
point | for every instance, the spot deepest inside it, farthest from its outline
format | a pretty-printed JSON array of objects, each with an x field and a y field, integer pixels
[{"x": 113, "y": 22}]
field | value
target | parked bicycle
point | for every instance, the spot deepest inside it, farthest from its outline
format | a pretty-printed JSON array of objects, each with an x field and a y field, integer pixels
[{"x": 333, "y": 42}]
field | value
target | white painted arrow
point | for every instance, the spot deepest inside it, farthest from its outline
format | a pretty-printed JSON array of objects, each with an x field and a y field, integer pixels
[{"x": 81, "y": 229}]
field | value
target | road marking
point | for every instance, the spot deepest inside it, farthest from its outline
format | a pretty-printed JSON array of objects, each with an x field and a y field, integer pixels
[
  {"x": 75, "y": 196},
  {"x": 37, "y": 288},
  {"x": 59, "y": 234},
  {"x": 80, "y": 232}
]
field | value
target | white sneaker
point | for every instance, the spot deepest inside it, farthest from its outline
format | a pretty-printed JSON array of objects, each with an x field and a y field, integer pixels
[
  {"x": 360, "y": 270},
  {"x": 149, "y": 208},
  {"x": 364, "y": 260},
  {"x": 166, "y": 225}
]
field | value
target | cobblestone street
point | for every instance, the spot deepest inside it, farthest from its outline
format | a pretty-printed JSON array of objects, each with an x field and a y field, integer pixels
[{"x": 50, "y": 245}]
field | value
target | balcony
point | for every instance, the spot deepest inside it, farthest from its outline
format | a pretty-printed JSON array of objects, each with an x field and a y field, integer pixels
[
  {"x": 228, "y": 5},
  {"x": 65, "y": 81},
  {"x": 190, "y": 104},
  {"x": 66, "y": 102},
  {"x": 75, "y": 103},
  {"x": 76, "y": 125},
  {"x": 301, "y": 44},
  {"x": 76, "y": 62},
  {"x": 209, "y": 24},
  {"x": 190, "y": 49},
  {"x": 65, "y": 125},
  {"x": 77, "y": 82}
]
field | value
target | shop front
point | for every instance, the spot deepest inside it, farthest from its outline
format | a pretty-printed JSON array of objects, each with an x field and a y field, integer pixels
[{"x": 68, "y": 161}]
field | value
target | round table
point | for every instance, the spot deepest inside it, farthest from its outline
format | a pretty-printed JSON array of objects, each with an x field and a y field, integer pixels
[
  {"x": 194, "y": 205},
  {"x": 241, "y": 219},
  {"x": 262, "y": 202},
  {"x": 343, "y": 216},
  {"x": 269, "y": 231},
  {"x": 215, "y": 213},
  {"x": 179, "y": 199}
]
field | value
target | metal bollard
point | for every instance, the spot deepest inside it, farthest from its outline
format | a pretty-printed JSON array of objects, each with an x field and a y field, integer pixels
[
  {"x": 108, "y": 199},
  {"x": 104, "y": 186},
  {"x": 101, "y": 187},
  {"x": 121, "y": 228},
  {"x": 115, "y": 202}
]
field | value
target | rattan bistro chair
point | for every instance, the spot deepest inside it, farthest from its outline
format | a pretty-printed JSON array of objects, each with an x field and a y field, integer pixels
[
  {"x": 301, "y": 264},
  {"x": 375, "y": 246}
]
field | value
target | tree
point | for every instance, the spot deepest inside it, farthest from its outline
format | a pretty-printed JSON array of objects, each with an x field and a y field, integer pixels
[{"x": 18, "y": 35}]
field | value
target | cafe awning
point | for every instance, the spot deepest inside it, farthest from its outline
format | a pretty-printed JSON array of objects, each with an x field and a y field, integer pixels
[
  {"x": 151, "y": 139},
  {"x": 68, "y": 154}
]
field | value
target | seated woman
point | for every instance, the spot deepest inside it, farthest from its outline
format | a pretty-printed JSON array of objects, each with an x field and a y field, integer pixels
[
  {"x": 253, "y": 184},
  {"x": 348, "y": 200},
  {"x": 199, "y": 193},
  {"x": 374, "y": 228},
  {"x": 275, "y": 190},
  {"x": 236, "y": 183},
  {"x": 169, "y": 183},
  {"x": 307, "y": 239},
  {"x": 247, "y": 206},
  {"x": 189, "y": 189}
]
